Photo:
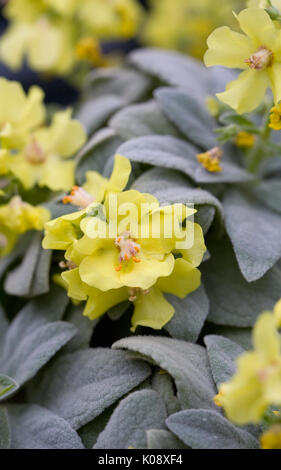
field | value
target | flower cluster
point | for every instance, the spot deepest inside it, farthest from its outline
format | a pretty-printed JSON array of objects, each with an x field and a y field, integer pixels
[
  {"x": 117, "y": 248},
  {"x": 255, "y": 389},
  {"x": 54, "y": 35},
  {"x": 33, "y": 154}
]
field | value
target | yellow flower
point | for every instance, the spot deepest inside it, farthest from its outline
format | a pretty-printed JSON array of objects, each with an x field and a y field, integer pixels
[
  {"x": 18, "y": 217},
  {"x": 257, "y": 382},
  {"x": 42, "y": 161},
  {"x": 245, "y": 140},
  {"x": 213, "y": 106},
  {"x": 97, "y": 187},
  {"x": 271, "y": 439},
  {"x": 89, "y": 49},
  {"x": 20, "y": 114},
  {"x": 113, "y": 256},
  {"x": 275, "y": 118},
  {"x": 257, "y": 52},
  {"x": 277, "y": 314},
  {"x": 211, "y": 160}
]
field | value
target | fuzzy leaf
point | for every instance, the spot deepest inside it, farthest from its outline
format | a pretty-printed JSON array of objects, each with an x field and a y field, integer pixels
[
  {"x": 207, "y": 429},
  {"x": 172, "y": 68},
  {"x": 81, "y": 385},
  {"x": 189, "y": 114},
  {"x": 187, "y": 363},
  {"x": 190, "y": 315},
  {"x": 141, "y": 120},
  {"x": 4, "y": 324},
  {"x": 162, "y": 439},
  {"x": 222, "y": 356},
  {"x": 176, "y": 154},
  {"x": 8, "y": 386},
  {"x": 94, "y": 113},
  {"x": 31, "y": 277},
  {"x": 255, "y": 233},
  {"x": 34, "y": 427},
  {"x": 84, "y": 326},
  {"x": 32, "y": 340},
  {"x": 234, "y": 301},
  {"x": 5, "y": 435},
  {"x": 95, "y": 154},
  {"x": 130, "y": 84},
  {"x": 134, "y": 415},
  {"x": 91, "y": 431},
  {"x": 269, "y": 193},
  {"x": 164, "y": 385}
]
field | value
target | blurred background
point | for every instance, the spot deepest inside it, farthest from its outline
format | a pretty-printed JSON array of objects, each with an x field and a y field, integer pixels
[{"x": 55, "y": 42}]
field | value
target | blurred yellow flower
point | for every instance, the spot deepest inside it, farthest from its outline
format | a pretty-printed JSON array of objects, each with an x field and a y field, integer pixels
[
  {"x": 245, "y": 140},
  {"x": 20, "y": 113},
  {"x": 42, "y": 161},
  {"x": 55, "y": 34},
  {"x": 275, "y": 118},
  {"x": 18, "y": 217},
  {"x": 257, "y": 382},
  {"x": 271, "y": 439},
  {"x": 211, "y": 160}
]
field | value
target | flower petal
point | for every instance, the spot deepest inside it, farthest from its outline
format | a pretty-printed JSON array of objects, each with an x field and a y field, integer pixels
[
  {"x": 247, "y": 92},
  {"x": 74, "y": 283},
  {"x": 195, "y": 241},
  {"x": 228, "y": 48},
  {"x": 266, "y": 339},
  {"x": 257, "y": 24},
  {"x": 152, "y": 310},
  {"x": 57, "y": 174},
  {"x": 145, "y": 274},
  {"x": 275, "y": 80},
  {"x": 100, "y": 302},
  {"x": 120, "y": 174},
  {"x": 98, "y": 270},
  {"x": 183, "y": 280}
]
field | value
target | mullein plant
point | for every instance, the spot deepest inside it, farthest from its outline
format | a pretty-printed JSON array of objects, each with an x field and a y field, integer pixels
[
  {"x": 177, "y": 367},
  {"x": 58, "y": 37}
]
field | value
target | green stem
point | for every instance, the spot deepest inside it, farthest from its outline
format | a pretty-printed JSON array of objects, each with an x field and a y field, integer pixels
[{"x": 258, "y": 153}]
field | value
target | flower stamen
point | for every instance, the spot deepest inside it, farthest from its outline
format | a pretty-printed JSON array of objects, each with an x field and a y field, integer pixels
[
  {"x": 79, "y": 197},
  {"x": 34, "y": 153},
  {"x": 211, "y": 160},
  {"x": 261, "y": 59},
  {"x": 128, "y": 249}
]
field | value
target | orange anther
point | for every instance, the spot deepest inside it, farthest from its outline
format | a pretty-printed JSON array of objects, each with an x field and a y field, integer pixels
[
  {"x": 136, "y": 260},
  {"x": 118, "y": 268}
]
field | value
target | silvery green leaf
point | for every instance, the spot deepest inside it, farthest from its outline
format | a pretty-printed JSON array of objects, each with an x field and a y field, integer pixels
[
  {"x": 189, "y": 114},
  {"x": 31, "y": 277},
  {"x": 255, "y": 233},
  {"x": 131, "y": 85},
  {"x": 4, "y": 324},
  {"x": 5, "y": 435},
  {"x": 8, "y": 386},
  {"x": 18, "y": 251},
  {"x": 91, "y": 431},
  {"x": 241, "y": 336},
  {"x": 34, "y": 427},
  {"x": 162, "y": 439},
  {"x": 97, "y": 151},
  {"x": 163, "y": 384},
  {"x": 269, "y": 193},
  {"x": 207, "y": 429},
  {"x": 222, "y": 356},
  {"x": 140, "y": 120},
  {"x": 81, "y": 385},
  {"x": 94, "y": 113},
  {"x": 172, "y": 68},
  {"x": 32, "y": 340},
  {"x": 134, "y": 415},
  {"x": 84, "y": 327},
  {"x": 187, "y": 363},
  {"x": 190, "y": 315},
  {"x": 271, "y": 168},
  {"x": 175, "y": 154},
  {"x": 234, "y": 301}
]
